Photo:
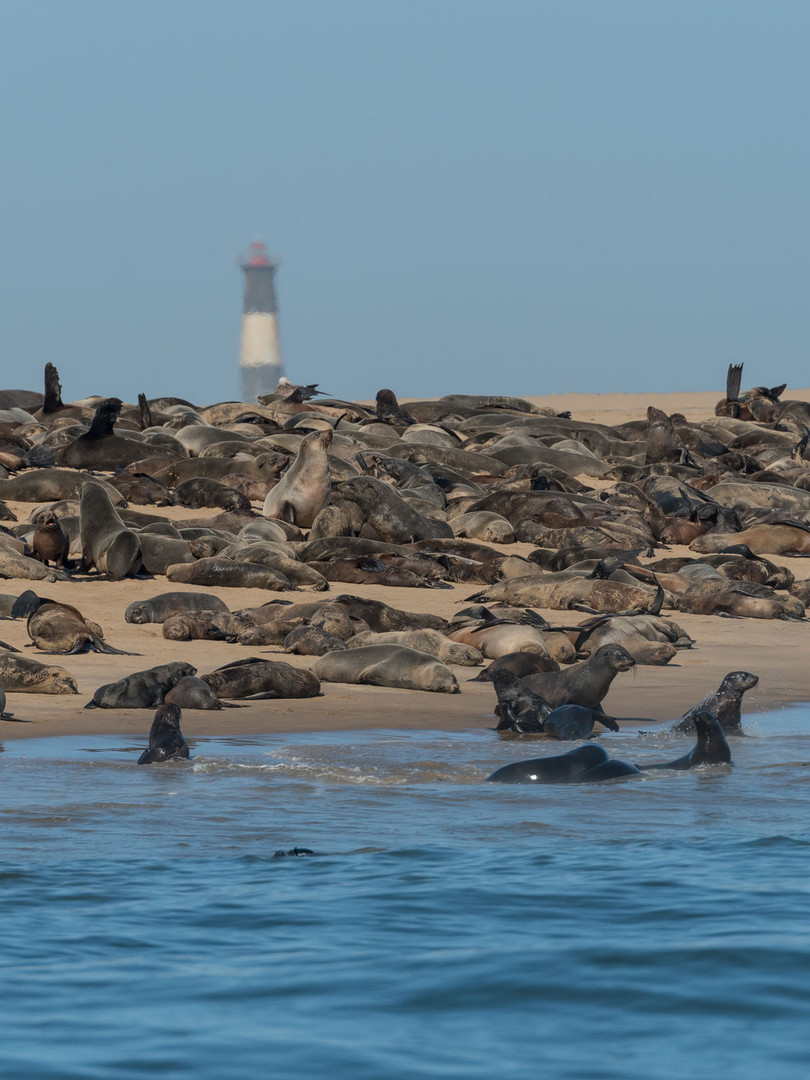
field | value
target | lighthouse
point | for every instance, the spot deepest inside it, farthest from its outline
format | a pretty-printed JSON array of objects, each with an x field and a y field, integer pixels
[{"x": 259, "y": 348}]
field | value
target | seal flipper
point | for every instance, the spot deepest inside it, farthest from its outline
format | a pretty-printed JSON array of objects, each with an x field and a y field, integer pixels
[{"x": 733, "y": 382}]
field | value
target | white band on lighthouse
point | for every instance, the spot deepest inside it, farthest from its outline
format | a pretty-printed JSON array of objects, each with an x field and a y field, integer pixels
[{"x": 259, "y": 343}]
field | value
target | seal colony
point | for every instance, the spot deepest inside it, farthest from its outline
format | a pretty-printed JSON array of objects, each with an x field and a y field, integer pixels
[{"x": 559, "y": 531}]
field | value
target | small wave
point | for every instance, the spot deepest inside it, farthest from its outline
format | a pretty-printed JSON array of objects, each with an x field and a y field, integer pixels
[{"x": 425, "y": 772}]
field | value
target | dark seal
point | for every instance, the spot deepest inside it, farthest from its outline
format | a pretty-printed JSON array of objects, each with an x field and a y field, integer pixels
[{"x": 166, "y": 742}]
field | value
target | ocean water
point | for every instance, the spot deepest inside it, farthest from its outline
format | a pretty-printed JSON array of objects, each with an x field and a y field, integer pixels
[{"x": 648, "y": 928}]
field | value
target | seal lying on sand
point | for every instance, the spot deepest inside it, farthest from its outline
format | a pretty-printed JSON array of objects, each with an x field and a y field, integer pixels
[
  {"x": 20, "y": 675},
  {"x": 192, "y": 693},
  {"x": 257, "y": 678},
  {"x": 387, "y": 665},
  {"x": 157, "y": 609},
  {"x": 61, "y": 628},
  {"x": 142, "y": 689},
  {"x": 166, "y": 742}
]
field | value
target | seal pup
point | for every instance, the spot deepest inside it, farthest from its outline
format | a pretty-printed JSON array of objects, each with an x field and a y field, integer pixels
[
  {"x": 724, "y": 704},
  {"x": 305, "y": 487},
  {"x": 389, "y": 410},
  {"x": 570, "y": 722},
  {"x": 519, "y": 710},
  {"x": 192, "y": 693},
  {"x": 166, "y": 742},
  {"x": 711, "y": 747},
  {"x": 50, "y": 542}
]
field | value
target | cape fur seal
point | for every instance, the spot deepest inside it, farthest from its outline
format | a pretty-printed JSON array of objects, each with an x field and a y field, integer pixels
[
  {"x": 305, "y": 488},
  {"x": 157, "y": 609},
  {"x": 227, "y": 574},
  {"x": 583, "y": 684},
  {"x": 166, "y": 742},
  {"x": 107, "y": 544},
  {"x": 20, "y": 675},
  {"x": 711, "y": 747},
  {"x": 193, "y": 693},
  {"x": 387, "y": 665},
  {"x": 50, "y": 543},
  {"x": 257, "y": 678},
  {"x": 724, "y": 704},
  {"x": 586, "y": 764},
  {"x": 61, "y": 628},
  {"x": 142, "y": 689}
]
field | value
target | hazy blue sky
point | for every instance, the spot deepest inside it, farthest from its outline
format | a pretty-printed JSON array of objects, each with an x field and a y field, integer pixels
[{"x": 515, "y": 197}]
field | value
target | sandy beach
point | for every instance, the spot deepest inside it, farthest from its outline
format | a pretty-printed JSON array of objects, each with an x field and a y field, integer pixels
[{"x": 773, "y": 650}]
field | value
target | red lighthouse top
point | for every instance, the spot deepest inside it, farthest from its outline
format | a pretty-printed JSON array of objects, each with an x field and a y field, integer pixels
[{"x": 257, "y": 254}]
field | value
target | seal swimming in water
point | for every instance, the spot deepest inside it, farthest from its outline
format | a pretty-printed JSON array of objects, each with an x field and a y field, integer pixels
[
  {"x": 724, "y": 704},
  {"x": 586, "y": 764},
  {"x": 166, "y": 742},
  {"x": 711, "y": 747},
  {"x": 305, "y": 488}
]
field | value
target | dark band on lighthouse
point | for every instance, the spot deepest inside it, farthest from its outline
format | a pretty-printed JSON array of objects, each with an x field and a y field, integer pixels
[{"x": 260, "y": 363}]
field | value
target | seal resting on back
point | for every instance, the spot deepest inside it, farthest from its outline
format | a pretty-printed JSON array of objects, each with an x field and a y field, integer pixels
[
  {"x": 305, "y": 488},
  {"x": 387, "y": 665},
  {"x": 583, "y": 684},
  {"x": 166, "y": 742},
  {"x": 142, "y": 689}
]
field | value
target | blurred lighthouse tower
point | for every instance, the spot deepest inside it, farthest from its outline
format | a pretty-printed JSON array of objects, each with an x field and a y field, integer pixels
[{"x": 260, "y": 364}]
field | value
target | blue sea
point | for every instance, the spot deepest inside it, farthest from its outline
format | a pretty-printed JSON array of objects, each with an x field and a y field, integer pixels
[{"x": 445, "y": 927}]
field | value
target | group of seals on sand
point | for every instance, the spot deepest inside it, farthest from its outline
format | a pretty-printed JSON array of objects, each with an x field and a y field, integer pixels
[{"x": 415, "y": 495}]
